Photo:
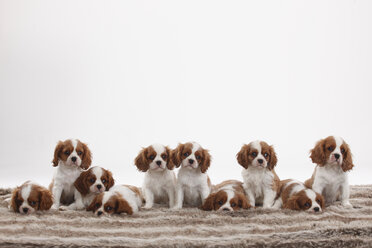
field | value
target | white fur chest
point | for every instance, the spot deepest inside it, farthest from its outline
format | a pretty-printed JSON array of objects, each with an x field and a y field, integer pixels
[
  {"x": 159, "y": 182},
  {"x": 65, "y": 177},
  {"x": 256, "y": 180},
  {"x": 328, "y": 180},
  {"x": 192, "y": 182}
]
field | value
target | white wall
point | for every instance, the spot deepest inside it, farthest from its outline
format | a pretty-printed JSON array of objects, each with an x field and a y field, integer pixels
[{"x": 121, "y": 75}]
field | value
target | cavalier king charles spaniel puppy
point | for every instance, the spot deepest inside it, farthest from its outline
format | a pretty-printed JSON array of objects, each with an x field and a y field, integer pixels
[
  {"x": 261, "y": 184},
  {"x": 227, "y": 196},
  {"x": 89, "y": 184},
  {"x": 193, "y": 183},
  {"x": 30, "y": 197},
  {"x": 333, "y": 158},
  {"x": 160, "y": 181},
  {"x": 119, "y": 199},
  {"x": 71, "y": 157},
  {"x": 296, "y": 196}
]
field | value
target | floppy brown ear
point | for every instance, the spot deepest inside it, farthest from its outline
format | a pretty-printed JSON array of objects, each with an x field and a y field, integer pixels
[
  {"x": 122, "y": 206},
  {"x": 81, "y": 183},
  {"x": 209, "y": 202},
  {"x": 57, "y": 151},
  {"x": 242, "y": 156},
  {"x": 347, "y": 162},
  {"x": 14, "y": 201},
  {"x": 110, "y": 180},
  {"x": 206, "y": 162},
  {"x": 318, "y": 155},
  {"x": 292, "y": 204},
  {"x": 243, "y": 201},
  {"x": 141, "y": 161},
  {"x": 170, "y": 164},
  {"x": 93, "y": 205},
  {"x": 45, "y": 199},
  {"x": 273, "y": 160},
  {"x": 321, "y": 199},
  {"x": 87, "y": 157},
  {"x": 176, "y": 155}
]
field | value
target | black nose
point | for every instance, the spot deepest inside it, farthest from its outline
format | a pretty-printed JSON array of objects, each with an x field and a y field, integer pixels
[
  {"x": 99, "y": 213},
  {"x": 99, "y": 186},
  {"x": 25, "y": 210},
  {"x": 226, "y": 209},
  {"x": 158, "y": 162},
  {"x": 191, "y": 161},
  {"x": 260, "y": 161},
  {"x": 73, "y": 159},
  {"x": 316, "y": 209},
  {"x": 337, "y": 156}
]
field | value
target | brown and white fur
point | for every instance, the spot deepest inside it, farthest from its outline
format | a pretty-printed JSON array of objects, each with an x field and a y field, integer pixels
[
  {"x": 330, "y": 178},
  {"x": 261, "y": 184},
  {"x": 193, "y": 183},
  {"x": 119, "y": 199},
  {"x": 31, "y": 197},
  {"x": 296, "y": 196},
  {"x": 227, "y": 196},
  {"x": 89, "y": 184},
  {"x": 159, "y": 184},
  {"x": 71, "y": 157}
]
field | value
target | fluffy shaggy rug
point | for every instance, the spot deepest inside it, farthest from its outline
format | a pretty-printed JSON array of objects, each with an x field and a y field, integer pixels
[{"x": 161, "y": 227}]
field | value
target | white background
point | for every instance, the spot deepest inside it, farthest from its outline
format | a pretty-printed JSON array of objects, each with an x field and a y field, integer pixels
[{"x": 121, "y": 75}]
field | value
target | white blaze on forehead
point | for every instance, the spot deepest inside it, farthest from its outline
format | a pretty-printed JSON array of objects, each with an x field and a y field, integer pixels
[
  {"x": 256, "y": 145},
  {"x": 26, "y": 192},
  {"x": 74, "y": 143},
  {"x": 195, "y": 147},
  {"x": 339, "y": 141},
  {"x": 97, "y": 171},
  {"x": 311, "y": 194},
  {"x": 158, "y": 148},
  {"x": 230, "y": 195},
  {"x": 106, "y": 197}
]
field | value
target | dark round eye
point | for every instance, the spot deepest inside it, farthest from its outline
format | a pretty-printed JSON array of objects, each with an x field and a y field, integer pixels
[
  {"x": 80, "y": 153},
  {"x": 318, "y": 201},
  {"x": 32, "y": 203},
  {"x": 342, "y": 150},
  {"x": 254, "y": 154},
  {"x": 98, "y": 205},
  {"x": 186, "y": 154},
  {"x": 163, "y": 156},
  {"x": 103, "y": 181},
  {"x": 92, "y": 180},
  {"x": 233, "y": 204},
  {"x": 67, "y": 152},
  {"x": 266, "y": 154},
  {"x": 108, "y": 208},
  {"x": 330, "y": 148},
  {"x": 152, "y": 157},
  {"x": 198, "y": 157},
  {"x": 307, "y": 204},
  {"x": 220, "y": 202}
]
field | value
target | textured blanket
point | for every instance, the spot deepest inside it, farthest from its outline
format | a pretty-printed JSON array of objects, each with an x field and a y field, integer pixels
[{"x": 161, "y": 227}]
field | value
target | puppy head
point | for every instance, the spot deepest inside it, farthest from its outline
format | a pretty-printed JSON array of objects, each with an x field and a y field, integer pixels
[
  {"x": 94, "y": 180},
  {"x": 258, "y": 154},
  {"x": 109, "y": 203},
  {"x": 29, "y": 198},
  {"x": 191, "y": 155},
  {"x": 155, "y": 157},
  {"x": 226, "y": 200},
  {"x": 72, "y": 152},
  {"x": 306, "y": 200},
  {"x": 332, "y": 150}
]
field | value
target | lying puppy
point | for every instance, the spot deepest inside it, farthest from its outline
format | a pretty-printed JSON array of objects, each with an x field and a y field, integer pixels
[
  {"x": 119, "y": 199},
  {"x": 227, "y": 196},
  {"x": 89, "y": 184},
  {"x": 294, "y": 195},
  {"x": 31, "y": 197}
]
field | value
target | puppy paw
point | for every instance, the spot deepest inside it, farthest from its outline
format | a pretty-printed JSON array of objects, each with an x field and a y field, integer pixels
[
  {"x": 347, "y": 205},
  {"x": 63, "y": 208}
]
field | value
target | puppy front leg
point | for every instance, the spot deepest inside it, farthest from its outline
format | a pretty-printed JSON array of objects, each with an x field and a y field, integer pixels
[
  {"x": 250, "y": 196},
  {"x": 204, "y": 193},
  {"x": 269, "y": 198},
  {"x": 171, "y": 196},
  {"x": 345, "y": 193},
  {"x": 57, "y": 192},
  {"x": 149, "y": 198},
  {"x": 179, "y": 197}
]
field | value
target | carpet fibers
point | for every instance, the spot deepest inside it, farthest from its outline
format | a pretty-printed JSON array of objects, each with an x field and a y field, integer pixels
[{"x": 161, "y": 227}]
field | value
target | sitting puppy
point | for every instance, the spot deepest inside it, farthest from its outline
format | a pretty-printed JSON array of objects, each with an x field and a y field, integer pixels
[
  {"x": 228, "y": 196},
  {"x": 30, "y": 197},
  {"x": 160, "y": 181},
  {"x": 261, "y": 184},
  {"x": 89, "y": 184},
  {"x": 119, "y": 199},
  {"x": 193, "y": 183},
  {"x": 333, "y": 158},
  {"x": 294, "y": 195},
  {"x": 71, "y": 157}
]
